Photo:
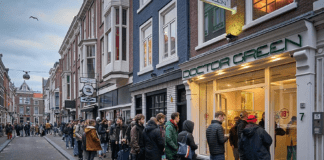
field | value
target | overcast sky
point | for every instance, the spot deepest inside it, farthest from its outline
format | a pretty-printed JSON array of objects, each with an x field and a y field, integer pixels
[{"x": 28, "y": 44}]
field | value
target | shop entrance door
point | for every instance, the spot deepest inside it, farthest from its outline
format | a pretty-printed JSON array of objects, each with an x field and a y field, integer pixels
[{"x": 250, "y": 99}]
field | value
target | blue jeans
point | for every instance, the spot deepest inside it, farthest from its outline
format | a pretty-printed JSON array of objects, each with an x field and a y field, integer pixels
[
  {"x": 104, "y": 147},
  {"x": 68, "y": 139},
  {"x": 75, "y": 149},
  {"x": 217, "y": 157}
]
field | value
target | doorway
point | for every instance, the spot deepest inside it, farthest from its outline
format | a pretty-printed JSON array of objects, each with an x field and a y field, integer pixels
[{"x": 181, "y": 105}]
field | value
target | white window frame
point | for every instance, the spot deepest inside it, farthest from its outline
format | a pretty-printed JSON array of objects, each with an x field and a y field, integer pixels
[
  {"x": 35, "y": 102},
  {"x": 201, "y": 29},
  {"x": 84, "y": 29},
  {"x": 74, "y": 89},
  {"x": 102, "y": 11},
  {"x": 143, "y": 5},
  {"x": 23, "y": 110},
  {"x": 249, "y": 22},
  {"x": 93, "y": 57},
  {"x": 66, "y": 86},
  {"x": 142, "y": 28},
  {"x": 73, "y": 50},
  {"x": 92, "y": 14},
  {"x": 36, "y": 110},
  {"x": 171, "y": 58}
]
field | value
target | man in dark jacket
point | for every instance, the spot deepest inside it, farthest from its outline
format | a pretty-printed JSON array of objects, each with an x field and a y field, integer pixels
[
  {"x": 240, "y": 126},
  {"x": 233, "y": 139},
  {"x": 153, "y": 141},
  {"x": 215, "y": 137},
  {"x": 136, "y": 143},
  {"x": 255, "y": 142},
  {"x": 104, "y": 137},
  {"x": 187, "y": 129},
  {"x": 118, "y": 131}
]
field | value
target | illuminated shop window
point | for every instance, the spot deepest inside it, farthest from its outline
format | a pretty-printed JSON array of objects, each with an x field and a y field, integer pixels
[{"x": 263, "y": 7}]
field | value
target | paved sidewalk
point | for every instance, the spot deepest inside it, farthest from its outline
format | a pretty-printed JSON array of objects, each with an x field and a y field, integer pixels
[
  {"x": 4, "y": 142},
  {"x": 60, "y": 145}
]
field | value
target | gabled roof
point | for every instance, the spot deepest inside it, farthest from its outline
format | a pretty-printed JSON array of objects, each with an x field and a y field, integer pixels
[
  {"x": 38, "y": 95},
  {"x": 24, "y": 87}
]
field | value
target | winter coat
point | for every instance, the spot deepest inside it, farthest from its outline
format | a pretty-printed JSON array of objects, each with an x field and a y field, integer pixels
[
  {"x": 116, "y": 129},
  {"x": 153, "y": 141},
  {"x": 92, "y": 139},
  {"x": 162, "y": 130},
  {"x": 32, "y": 128},
  {"x": 79, "y": 130},
  {"x": 128, "y": 131},
  {"x": 255, "y": 143},
  {"x": 233, "y": 138},
  {"x": 102, "y": 131},
  {"x": 240, "y": 127},
  {"x": 171, "y": 142},
  {"x": 215, "y": 138},
  {"x": 111, "y": 130},
  {"x": 187, "y": 129},
  {"x": 48, "y": 126},
  {"x": 36, "y": 129},
  {"x": 27, "y": 127},
  {"x": 291, "y": 134},
  {"x": 9, "y": 129},
  {"x": 70, "y": 131},
  {"x": 136, "y": 142},
  {"x": 261, "y": 123}
]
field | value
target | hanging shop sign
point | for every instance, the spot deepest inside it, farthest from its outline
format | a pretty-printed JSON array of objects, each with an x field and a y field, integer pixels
[
  {"x": 225, "y": 4},
  {"x": 87, "y": 80},
  {"x": 88, "y": 90},
  {"x": 255, "y": 53},
  {"x": 88, "y": 99}
]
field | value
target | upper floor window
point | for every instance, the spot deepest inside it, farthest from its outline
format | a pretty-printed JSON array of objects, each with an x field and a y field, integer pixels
[
  {"x": 109, "y": 47},
  {"x": 68, "y": 86},
  {"x": 146, "y": 45},
  {"x": 27, "y": 100},
  {"x": 27, "y": 110},
  {"x": 36, "y": 102},
  {"x": 121, "y": 29},
  {"x": 36, "y": 110},
  {"x": 73, "y": 50},
  {"x": 143, "y": 4},
  {"x": 21, "y": 100},
  {"x": 91, "y": 61},
  {"x": 258, "y": 11},
  {"x": 57, "y": 99},
  {"x": 21, "y": 110},
  {"x": 84, "y": 29},
  {"x": 263, "y": 7},
  {"x": 214, "y": 21},
  {"x": 169, "y": 33},
  {"x": 102, "y": 10}
]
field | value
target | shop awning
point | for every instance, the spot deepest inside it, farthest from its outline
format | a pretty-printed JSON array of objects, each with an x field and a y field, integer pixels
[{"x": 116, "y": 107}]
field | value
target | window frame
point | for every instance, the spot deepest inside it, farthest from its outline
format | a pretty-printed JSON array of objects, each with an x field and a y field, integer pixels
[
  {"x": 92, "y": 57},
  {"x": 249, "y": 22},
  {"x": 171, "y": 58},
  {"x": 143, "y": 5},
  {"x": 36, "y": 110},
  {"x": 57, "y": 101},
  {"x": 35, "y": 102},
  {"x": 23, "y": 108},
  {"x": 143, "y": 27},
  {"x": 201, "y": 29}
]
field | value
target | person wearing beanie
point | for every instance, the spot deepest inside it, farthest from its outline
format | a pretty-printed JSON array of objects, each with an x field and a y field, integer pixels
[
  {"x": 97, "y": 123},
  {"x": 255, "y": 141}
]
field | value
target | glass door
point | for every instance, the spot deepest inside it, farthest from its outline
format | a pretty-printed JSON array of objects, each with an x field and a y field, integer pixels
[{"x": 284, "y": 106}]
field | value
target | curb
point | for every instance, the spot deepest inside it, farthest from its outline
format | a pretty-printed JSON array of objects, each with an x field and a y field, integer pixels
[
  {"x": 60, "y": 149},
  {"x": 5, "y": 144}
]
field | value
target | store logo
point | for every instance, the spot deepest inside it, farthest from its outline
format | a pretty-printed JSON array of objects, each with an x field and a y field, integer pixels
[
  {"x": 284, "y": 113},
  {"x": 242, "y": 57}
]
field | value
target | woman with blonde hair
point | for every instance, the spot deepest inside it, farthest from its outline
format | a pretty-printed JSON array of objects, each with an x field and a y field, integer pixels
[{"x": 92, "y": 141}]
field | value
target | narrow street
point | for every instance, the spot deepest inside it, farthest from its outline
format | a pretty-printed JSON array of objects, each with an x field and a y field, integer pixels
[{"x": 30, "y": 148}]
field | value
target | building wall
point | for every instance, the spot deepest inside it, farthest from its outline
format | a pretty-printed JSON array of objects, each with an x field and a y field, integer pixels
[
  {"x": 303, "y": 7},
  {"x": 152, "y": 11}
]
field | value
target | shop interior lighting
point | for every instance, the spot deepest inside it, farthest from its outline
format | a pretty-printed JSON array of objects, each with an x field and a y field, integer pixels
[{"x": 277, "y": 59}]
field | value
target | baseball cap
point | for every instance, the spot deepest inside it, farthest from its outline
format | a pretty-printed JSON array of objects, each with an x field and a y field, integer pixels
[{"x": 251, "y": 118}]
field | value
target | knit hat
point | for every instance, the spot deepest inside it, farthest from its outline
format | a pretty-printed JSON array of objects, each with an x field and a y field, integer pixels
[
  {"x": 98, "y": 119},
  {"x": 251, "y": 118}
]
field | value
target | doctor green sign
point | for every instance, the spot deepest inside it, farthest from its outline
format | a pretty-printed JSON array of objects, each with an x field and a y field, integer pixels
[{"x": 255, "y": 53}]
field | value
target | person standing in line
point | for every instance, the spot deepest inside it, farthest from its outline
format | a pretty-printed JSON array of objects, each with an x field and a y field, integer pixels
[
  {"x": 119, "y": 132},
  {"x": 131, "y": 124},
  {"x": 21, "y": 130},
  {"x": 240, "y": 127},
  {"x": 47, "y": 127},
  {"x": 215, "y": 137},
  {"x": 68, "y": 135},
  {"x": 75, "y": 149},
  {"x": 255, "y": 141},
  {"x": 112, "y": 129},
  {"x": 233, "y": 139},
  {"x": 14, "y": 126},
  {"x": 291, "y": 139},
  {"x": 136, "y": 143},
  {"x": 9, "y": 129},
  {"x": 104, "y": 138},
  {"x": 187, "y": 130},
  {"x": 26, "y": 129},
  {"x": 84, "y": 140},
  {"x": 36, "y": 130},
  {"x": 171, "y": 136},
  {"x": 153, "y": 141},
  {"x": 79, "y": 130},
  {"x": 32, "y": 130},
  {"x": 160, "y": 122},
  {"x": 92, "y": 140}
]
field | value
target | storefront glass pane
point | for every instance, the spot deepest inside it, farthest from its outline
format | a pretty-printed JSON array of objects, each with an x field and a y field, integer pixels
[
  {"x": 284, "y": 103},
  {"x": 246, "y": 79}
]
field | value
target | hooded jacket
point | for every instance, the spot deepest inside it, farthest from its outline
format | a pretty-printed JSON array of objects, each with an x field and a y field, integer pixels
[
  {"x": 128, "y": 131},
  {"x": 153, "y": 141},
  {"x": 187, "y": 128},
  {"x": 115, "y": 131},
  {"x": 79, "y": 130},
  {"x": 103, "y": 134},
  {"x": 255, "y": 143},
  {"x": 92, "y": 139},
  {"x": 215, "y": 138},
  {"x": 136, "y": 138}
]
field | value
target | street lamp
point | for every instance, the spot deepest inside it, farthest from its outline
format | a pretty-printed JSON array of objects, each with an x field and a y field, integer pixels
[{"x": 26, "y": 75}]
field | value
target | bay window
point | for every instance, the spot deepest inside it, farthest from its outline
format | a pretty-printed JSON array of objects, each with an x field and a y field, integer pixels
[
  {"x": 68, "y": 95},
  {"x": 109, "y": 45},
  {"x": 91, "y": 61}
]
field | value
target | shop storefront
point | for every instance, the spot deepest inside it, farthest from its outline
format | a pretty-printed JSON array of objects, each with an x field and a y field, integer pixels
[{"x": 269, "y": 75}]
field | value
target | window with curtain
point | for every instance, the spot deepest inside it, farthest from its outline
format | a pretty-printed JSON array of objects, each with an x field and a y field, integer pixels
[
  {"x": 263, "y": 7},
  {"x": 147, "y": 46},
  {"x": 169, "y": 31}
]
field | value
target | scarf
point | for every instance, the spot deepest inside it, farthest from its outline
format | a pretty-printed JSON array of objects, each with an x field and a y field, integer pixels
[{"x": 176, "y": 126}]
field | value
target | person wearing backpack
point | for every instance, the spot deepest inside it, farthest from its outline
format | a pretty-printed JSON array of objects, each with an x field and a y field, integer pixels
[
  {"x": 255, "y": 141},
  {"x": 187, "y": 129},
  {"x": 171, "y": 136},
  {"x": 153, "y": 141},
  {"x": 215, "y": 137}
]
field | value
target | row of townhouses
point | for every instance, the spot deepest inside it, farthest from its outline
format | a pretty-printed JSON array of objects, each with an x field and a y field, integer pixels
[
  {"x": 7, "y": 95},
  {"x": 124, "y": 57}
]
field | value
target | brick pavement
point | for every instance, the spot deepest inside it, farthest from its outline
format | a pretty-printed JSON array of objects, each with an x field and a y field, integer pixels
[{"x": 58, "y": 140}]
